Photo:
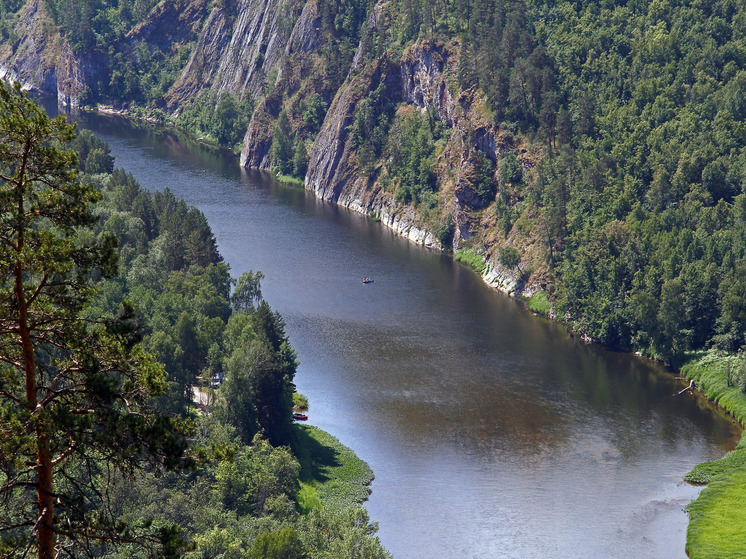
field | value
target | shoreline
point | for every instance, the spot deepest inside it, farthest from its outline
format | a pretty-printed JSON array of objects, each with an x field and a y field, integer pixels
[
  {"x": 708, "y": 536},
  {"x": 402, "y": 226}
]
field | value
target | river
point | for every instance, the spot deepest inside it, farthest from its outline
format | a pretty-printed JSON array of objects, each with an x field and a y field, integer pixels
[{"x": 490, "y": 431}]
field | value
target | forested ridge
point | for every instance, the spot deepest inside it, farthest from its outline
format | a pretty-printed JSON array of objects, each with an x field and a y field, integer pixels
[
  {"x": 130, "y": 311},
  {"x": 590, "y": 151},
  {"x": 619, "y": 190},
  {"x": 637, "y": 111}
]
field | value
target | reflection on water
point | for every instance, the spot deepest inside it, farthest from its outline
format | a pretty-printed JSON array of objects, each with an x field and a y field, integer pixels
[{"x": 490, "y": 432}]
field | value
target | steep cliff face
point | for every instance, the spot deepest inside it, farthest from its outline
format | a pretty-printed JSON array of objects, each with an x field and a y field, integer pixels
[
  {"x": 333, "y": 166},
  {"x": 170, "y": 25},
  {"x": 297, "y": 73},
  {"x": 284, "y": 52},
  {"x": 334, "y": 172},
  {"x": 42, "y": 60},
  {"x": 424, "y": 79},
  {"x": 243, "y": 47}
]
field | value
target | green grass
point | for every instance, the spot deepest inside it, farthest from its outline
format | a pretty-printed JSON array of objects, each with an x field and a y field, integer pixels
[
  {"x": 471, "y": 259},
  {"x": 288, "y": 179},
  {"x": 332, "y": 476},
  {"x": 308, "y": 498},
  {"x": 539, "y": 303},
  {"x": 300, "y": 402},
  {"x": 707, "y": 471},
  {"x": 717, "y": 519},
  {"x": 709, "y": 374}
]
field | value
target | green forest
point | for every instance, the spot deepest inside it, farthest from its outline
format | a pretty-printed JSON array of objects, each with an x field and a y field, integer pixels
[
  {"x": 635, "y": 109},
  {"x": 638, "y": 109},
  {"x": 116, "y": 306},
  {"x": 618, "y": 194}
]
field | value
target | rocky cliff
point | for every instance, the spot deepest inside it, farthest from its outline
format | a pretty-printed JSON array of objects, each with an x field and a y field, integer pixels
[
  {"x": 244, "y": 45},
  {"x": 283, "y": 52},
  {"x": 41, "y": 59},
  {"x": 424, "y": 79}
]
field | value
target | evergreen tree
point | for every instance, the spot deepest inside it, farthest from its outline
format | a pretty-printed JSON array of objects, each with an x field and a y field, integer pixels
[
  {"x": 73, "y": 391},
  {"x": 282, "y": 145}
]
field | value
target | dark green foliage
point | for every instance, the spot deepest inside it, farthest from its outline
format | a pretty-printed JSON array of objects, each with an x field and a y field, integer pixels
[
  {"x": 444, "y": 233},
  {"x": 259, "y": 370},
  {"x": 280, "y": 544},
  {"x": 281, "y": 153},
  {"x": 75, "y": 386},
  {"x": 241, "y": 506},
  {"x": 314, "y": 111},
  {"x": 341, "y": 21},
  {"x": 370, "y": 129},
  {"x": 650, "y": 235},
  {"x": 93, "y": 154},
  {"x": 190, "y": 235},
  {"x": 10, "y": 6},
  {"x": 256, "y": 478},
  {"x": 273, "y": 384},
  {"x": 169, "y": 263},
  {"x": 214, "y": 508},
  {"x": 300, "y": 158},
  {"x": 97, "y": 23},
  {"x": 248, "y": 291},
  {"x": 509, "y": 256},
  {"x": 483, "y": 177},
  {"x": 510, "y": 170},
  {"x": 223, "y": 120},
  {"x": 411, "y": 153}
]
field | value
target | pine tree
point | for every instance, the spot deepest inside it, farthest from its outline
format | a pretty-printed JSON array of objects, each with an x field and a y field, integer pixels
[{"x": 73, "y": 392}]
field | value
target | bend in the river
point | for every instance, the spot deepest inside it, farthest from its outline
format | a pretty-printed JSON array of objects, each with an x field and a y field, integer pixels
[{"x": 491, "y": 433}]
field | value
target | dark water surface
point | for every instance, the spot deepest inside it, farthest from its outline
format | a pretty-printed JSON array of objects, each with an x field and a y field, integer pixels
[{"x": 491, "y": 433}]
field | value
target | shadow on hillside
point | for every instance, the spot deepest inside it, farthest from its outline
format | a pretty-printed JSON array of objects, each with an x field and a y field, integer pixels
[{"x": 316, "y": 459}]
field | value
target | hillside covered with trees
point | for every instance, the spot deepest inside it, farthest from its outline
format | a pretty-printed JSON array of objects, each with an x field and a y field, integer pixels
[
  {"x": 588, "y": 154},
  {"x": 590, "y": 150},
  {"x": 116, "y": 306}
]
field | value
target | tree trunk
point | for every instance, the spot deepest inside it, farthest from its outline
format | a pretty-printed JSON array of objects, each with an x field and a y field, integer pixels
[{"x": 44, "y": 477}]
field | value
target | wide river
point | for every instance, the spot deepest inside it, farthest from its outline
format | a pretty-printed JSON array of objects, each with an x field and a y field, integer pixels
[{"x": 490, "y": 431}]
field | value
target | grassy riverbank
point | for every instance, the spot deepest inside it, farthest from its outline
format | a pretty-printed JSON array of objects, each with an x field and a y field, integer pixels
[
  {"x": 331, "y": 474},
  {"x": 717, "y": 519}
]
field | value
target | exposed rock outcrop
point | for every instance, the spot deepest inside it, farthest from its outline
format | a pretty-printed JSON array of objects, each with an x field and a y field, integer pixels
[
  {"x": 244, "y": 46},
  {"x": 424, "y": 78},
  {"x": 333, "y": 168},
  {"x": 280, "y": 52},
  {"x": 42, "y": 60}
]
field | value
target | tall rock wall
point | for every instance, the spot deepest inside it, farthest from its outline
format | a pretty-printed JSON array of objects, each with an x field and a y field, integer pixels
[
  {"x": 275, "y": 51},
  {"x": 245, "y": 45},
  {"x": 43, "y": 60}
]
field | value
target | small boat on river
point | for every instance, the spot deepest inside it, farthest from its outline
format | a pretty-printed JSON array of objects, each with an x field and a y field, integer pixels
[{"x": 367, "y": 280}]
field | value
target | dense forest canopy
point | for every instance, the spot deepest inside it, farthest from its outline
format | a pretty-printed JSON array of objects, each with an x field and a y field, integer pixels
[
  {"x": 640, "y": 107},
  {"x": 632, "y": 113},
  {"x": 129, "y": 312}
]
